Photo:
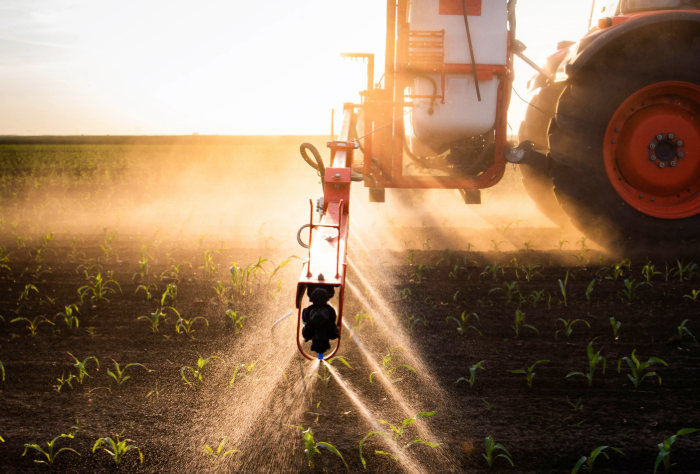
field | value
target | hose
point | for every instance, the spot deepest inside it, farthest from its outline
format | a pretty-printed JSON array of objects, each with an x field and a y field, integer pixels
[
  {"x": 301, "y": 242},
  {"x": 471, "y": 50},
  {"x": 318, "y": 165}
]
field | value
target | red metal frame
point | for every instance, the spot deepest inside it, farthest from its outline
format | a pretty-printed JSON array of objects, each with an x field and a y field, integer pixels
[
  {"x": 401, "y": 62},
  {"x": 383, "y": 139},
  {"x": 326, "y": 264}
]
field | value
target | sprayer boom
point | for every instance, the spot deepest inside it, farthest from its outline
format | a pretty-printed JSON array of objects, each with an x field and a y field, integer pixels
[{"x": 323, "y": 273}]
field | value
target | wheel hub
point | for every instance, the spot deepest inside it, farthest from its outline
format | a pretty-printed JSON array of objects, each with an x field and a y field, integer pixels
[
  {"x": 652, "y": 150},
  {"x": 666, "y": 149}
]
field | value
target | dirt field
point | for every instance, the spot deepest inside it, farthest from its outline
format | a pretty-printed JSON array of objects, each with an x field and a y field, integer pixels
[{"x": 408, "y": 275}]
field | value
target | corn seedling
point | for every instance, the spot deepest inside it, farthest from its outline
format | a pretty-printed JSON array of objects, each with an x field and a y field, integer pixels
[
  {"x": 454, "y": 274},
  {"x": 2, "y": 371},
  {"x": 361, "y": 316},
  {"x": 52, "y": 453},
  {"x": 594, "y": 358},
  {"x": 426, "y": 244},
  {"x": 665, "y": 449},
  {"x": 419, "y": 272},
  {"x": 99, "y": 289},
  {"x": 531, "y": 271},
  {"x": 615, "y": 326},
  {"x": 147, "y": 289},
  {"x": 510, "y": 290},
  {"x": 81, "y": 366},
  {"x": 491, "y": 447},
  {"x": 497, "y": 245},
  {"x": 581, "y": 258},
  {"x": 209, "y": 266},
  {"x": 528, "y": 371},
  {"x": 69, "y": 317},
  {"x": 410, "y": 257},
  {"x": 587, "y": 461},
  {"x": 236, "y": 320},
  {"x": 170, "y": 292},
  {"x": 221, "y": 290},
  {"x": 405, "y": 293},
  {"x": 492, "y": 270},
  {"x": 326, "y": 377},
  {"x": 386, "y": 363},
  {"x": 693, "y": 296},
  {"x": 33, "y": 324},
  {"x": 108, "y": 251},
  {"x": 242, "y": 279},
  {"x": 414, "y": 319},
  {"x": 155, "y": 392},
  {"x": 219, "y": 454},
  {"x": 276, "y": 268},
  {"x": 630, "y": 291},
  {"x": 682, "y": 331},
  {"x": 185, "y": 325},
  {"x": 312, "y": 446},
  {"x": 174, "y": 270},
  {"x": 536, "y": 297},
  {"x": 520, "y": 321},
  {"x": 196, "y": 372},
  {"x": 589, "y": 291},
  {"x": 575, "y": 406},
  {"x": 143, "y": 270},
  {"x": 39, "y": 253},
  {"x": 118, "y": 373},
  {"x": 569, "y": 326},
  {"x": 25, "y": 294},
  {"x": 489, "y": 406},
  {"x": 463, "y": 323},
  {"x": 561, "y": 244},
  {"x": 155, "y": 317},
  {"x": 398, "y": 432},
  {"x": 34, "y": 273},
  {"x": 88, "y": 271},
  {"x": 472, "y": 374},
  {"x": 63, "y": 380},
  {"x": 685, "y": 272},
  {"x": 618, "y": 269},
  {"x": 648, "y": 271},
  {"x": 638, "y": 368},
  {"x": 562, "y": 286},
  {"x": 117, "y": 449}
]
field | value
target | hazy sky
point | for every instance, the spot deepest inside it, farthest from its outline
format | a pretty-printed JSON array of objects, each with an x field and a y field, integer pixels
[{"x": 212, "y": 67}]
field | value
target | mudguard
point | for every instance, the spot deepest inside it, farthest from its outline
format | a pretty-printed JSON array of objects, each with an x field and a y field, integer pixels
[{"x": 589, "y": 47}]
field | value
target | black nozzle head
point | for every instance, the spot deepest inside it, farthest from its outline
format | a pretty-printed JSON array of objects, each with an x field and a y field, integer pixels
[{"x": 321, "y": 294}]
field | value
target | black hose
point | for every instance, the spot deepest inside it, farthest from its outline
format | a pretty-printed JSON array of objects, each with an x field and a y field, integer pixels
[
  {"x": 471, "y": 50},
  {"x": 318, "y": 165}
]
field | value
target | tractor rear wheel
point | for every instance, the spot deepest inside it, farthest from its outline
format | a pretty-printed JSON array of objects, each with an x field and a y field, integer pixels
[{"x": 625, "y": 143}]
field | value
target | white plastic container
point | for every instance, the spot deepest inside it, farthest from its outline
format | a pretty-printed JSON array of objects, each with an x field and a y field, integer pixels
[{"x": 462, "y": 115}]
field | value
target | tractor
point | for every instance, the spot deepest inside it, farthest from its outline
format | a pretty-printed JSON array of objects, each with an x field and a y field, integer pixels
[
  {"x": 616, "y": 121},
  {"x": 610, "y": 142}
]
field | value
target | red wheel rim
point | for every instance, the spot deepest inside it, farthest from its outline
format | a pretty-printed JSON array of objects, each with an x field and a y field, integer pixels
[{"x": 652, "y": 150}]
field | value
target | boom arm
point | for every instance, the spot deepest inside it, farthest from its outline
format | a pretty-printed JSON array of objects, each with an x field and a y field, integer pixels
[{"x": 326, "y": 263}]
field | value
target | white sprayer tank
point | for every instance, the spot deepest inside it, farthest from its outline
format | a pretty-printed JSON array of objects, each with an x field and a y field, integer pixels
[{"x": 462, "y": 115}]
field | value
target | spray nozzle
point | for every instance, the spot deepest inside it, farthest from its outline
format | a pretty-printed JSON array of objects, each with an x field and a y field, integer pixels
[{"x": 320, "y": 356}]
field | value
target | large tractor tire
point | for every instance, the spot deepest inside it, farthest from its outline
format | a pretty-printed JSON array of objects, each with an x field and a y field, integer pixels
[
  {"x": 625, "y": 145},
  {"x": 536, "y": 178}
]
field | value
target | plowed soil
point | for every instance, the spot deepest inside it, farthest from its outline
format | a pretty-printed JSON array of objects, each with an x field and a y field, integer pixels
[{"x": 540, "y": 428}]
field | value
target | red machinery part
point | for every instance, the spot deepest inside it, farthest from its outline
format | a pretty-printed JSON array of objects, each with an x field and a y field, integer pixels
[
  {"x": 326, "y": 263},
  {"x": 652, "y": 150}
]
